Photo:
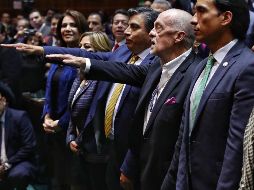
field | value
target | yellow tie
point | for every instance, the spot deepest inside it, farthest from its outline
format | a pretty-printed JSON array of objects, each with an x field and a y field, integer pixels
[{"x": 113, "y": 100}]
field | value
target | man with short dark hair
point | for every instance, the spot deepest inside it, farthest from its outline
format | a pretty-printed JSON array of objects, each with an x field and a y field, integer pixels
[
  {"x": 209, "y": 151},
  {"x": 17, "y": 142},
  {"x": 119, "y": 24},
  {"x": 37, "y": 22},
  {"x": 95, "y": 22}
]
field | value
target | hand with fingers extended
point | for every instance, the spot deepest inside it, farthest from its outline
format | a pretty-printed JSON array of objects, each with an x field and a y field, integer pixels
[
  {"x": 126, "y": 183},
  {"x": 25, "y": 48},
  {"x": 68, "y": 59}
]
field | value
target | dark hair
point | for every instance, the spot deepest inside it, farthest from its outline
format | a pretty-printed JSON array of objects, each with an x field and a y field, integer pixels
[
  {"x": 80, "y": 21},
  {"x": 120, "y": 11},
  {"x": 57, "y": 16},
  {"x": 6, "y": 92},
  {"x": 34, "y": 10},
  {"x": 149, "y": 15},
  {"x": 241, "y": 17},
  {"x": 101, "y": 15}
]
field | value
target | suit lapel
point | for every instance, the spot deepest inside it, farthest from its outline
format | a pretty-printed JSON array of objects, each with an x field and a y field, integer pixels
[
  {"x": 218, "y": 76},
  {"x": 170, "y": 86},
  {"x": 149, "y": 86},
  {"x": 82, "y": 91},
  {"x": 127, "y": 88}
]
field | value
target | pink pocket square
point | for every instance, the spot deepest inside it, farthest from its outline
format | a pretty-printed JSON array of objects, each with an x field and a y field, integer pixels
[{"x": 170, "y": 101}]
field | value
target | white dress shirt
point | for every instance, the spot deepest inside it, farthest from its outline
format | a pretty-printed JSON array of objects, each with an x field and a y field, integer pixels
[{"x": 168, "y": 70}]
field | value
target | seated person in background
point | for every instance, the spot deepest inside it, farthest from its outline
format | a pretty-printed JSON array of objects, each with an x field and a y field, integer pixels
[
  {"x": 22, "y": 26},
  {"x": 161, "y": 5},
  {"x": 96, "y": 22},
  {"x": 17, "y": 150},
  {"x": 32, "y": 67}
]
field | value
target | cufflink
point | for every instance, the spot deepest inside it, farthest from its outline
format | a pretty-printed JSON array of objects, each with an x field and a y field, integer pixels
[{"x": 225, "y": 64}]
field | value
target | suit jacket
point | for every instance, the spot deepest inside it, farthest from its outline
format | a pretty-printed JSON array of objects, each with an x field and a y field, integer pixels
[
  {"x": 92, "y": 138},
  {"x": 153, "y": 150},
  {"x": 212, "y": 154},
  {"x": 247, "y": 178},
  {"x": 61, "y": 111},
  {"x": 79, "y": 106},
  {"x": 19, "y": 137}
]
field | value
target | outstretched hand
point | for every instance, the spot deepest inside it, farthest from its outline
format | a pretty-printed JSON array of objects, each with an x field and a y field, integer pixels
[
  {"x": 25, "y": 48},
  {"x": 68, "y": 59}
]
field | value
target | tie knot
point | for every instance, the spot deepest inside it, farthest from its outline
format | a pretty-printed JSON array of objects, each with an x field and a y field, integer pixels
[
  {"x": 133, "y": 59},
  {"x": 211, "y": 60},
  {"x": 115, "y": 47}
]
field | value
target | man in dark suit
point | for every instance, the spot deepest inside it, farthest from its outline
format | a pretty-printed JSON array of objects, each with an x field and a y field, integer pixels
[
  {"x": 17, "y": 150},
  {"x": 165, "y": 84},
  {"x": 219, "y": 102}
]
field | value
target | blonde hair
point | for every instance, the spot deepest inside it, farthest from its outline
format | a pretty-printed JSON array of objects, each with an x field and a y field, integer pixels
[{"x": 99, "y": 40}]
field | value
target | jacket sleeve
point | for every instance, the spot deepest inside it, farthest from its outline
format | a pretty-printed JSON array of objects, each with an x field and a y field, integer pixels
[
  {"x": 28, "y": 142},
  {"x": 130, "y": 165},
  {"x": 76, "y": 52},
  {"x": 118, "y": 72}
]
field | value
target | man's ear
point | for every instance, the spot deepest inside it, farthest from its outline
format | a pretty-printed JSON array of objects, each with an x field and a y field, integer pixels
[
  {"x": 180, "y": 36},
  {"x": 226, "y": 18}
]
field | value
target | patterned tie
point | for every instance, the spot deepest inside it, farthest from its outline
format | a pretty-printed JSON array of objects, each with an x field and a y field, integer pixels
[
  {"x": 246, "y": 182},
  {"x": 200, "y": 89},
  {"x": 113, "y": 100}
]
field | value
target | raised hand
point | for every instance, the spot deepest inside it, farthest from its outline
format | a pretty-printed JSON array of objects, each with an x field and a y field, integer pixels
[
  {"x": 68, "y": 59},
  {"x": 25, "y": 48}
]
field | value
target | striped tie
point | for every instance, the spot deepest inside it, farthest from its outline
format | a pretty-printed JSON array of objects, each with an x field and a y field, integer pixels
[{"x": 112, "y": 102}]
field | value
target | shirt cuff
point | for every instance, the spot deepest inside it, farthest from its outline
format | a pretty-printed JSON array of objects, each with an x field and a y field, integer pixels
[
  {"x": 7, "y": 166},
  {"x": 87, "y": 66}
]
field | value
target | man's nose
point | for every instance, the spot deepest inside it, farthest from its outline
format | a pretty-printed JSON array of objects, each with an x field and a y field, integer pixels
[
  {"x": 194, "y": 19},
  {"x": 152, "y": 33}
]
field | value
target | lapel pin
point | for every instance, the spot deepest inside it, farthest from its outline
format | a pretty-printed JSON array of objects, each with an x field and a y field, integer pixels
[{"x": 225, "y": 64}]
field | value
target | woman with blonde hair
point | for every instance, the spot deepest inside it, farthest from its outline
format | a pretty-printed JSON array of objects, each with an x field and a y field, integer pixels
[
  {"x": 79, "y": 102},
  {"x": 95, "y": 41}
]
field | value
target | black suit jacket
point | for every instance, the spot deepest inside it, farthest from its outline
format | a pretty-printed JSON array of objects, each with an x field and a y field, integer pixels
[
  {"x": 19, "y": 137},
  {"x": 153, "y": 150}
]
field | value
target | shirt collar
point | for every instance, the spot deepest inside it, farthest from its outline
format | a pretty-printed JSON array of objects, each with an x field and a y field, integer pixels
[
  {"x": 174, "y": 64},
  {"x": 220, "y": 54},
  {"x": 144, "y": 53},
  {"x": 120, "y": 43}
]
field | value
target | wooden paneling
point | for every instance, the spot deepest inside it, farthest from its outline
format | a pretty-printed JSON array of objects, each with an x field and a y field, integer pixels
[{"x": 84, "y": 6}]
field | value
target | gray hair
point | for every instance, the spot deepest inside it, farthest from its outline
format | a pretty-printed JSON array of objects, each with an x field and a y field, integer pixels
[
  {"x": 167, "y": 4},
  {"x": 182, "y": 23}
]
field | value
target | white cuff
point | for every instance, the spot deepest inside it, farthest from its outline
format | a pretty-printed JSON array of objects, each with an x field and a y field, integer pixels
[
  {"x": 88, "y": 65},
  {"x": 7, "y": 166}
]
